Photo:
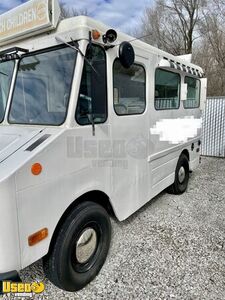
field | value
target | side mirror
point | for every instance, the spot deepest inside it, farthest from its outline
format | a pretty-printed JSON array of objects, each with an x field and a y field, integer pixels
[
  {"x": 126, "y": 54},
  {"x": 184, "y": 90}
]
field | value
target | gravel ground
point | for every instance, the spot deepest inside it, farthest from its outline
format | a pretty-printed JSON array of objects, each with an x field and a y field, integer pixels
[{"x": 173, "y": 248}]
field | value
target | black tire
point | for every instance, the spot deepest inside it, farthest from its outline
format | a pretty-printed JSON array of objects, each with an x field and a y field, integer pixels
[
  {"x": 180, "y": 186},
  {"x": 61, "y": 265}
]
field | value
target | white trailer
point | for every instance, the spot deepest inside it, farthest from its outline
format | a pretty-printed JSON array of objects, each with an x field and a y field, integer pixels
[{"x": 93, "y": 123}]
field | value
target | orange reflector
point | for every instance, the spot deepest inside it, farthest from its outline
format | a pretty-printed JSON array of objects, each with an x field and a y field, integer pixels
[
  {"x": 96, "y": 34},
  {"x": 37, "y": 237},
  {"x": 36, "y": 169}
]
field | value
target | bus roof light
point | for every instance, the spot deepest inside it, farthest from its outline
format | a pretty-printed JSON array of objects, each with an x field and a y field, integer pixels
[
  {"x": 110, "y": 36},
  {"x": 96, "y": 34}
]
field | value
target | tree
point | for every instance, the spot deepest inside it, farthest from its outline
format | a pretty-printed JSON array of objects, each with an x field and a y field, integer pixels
[
  {"x": 172, "y": 25},
  {"x": 191, "y": 26},
  {"x": 67, "y": 12},
  {"x": 211, "y": 53}
]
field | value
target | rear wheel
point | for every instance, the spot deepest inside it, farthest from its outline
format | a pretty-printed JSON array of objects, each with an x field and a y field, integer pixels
[
  {"x": 80, "y": 249},
  {"x": 181, "y": 176}
]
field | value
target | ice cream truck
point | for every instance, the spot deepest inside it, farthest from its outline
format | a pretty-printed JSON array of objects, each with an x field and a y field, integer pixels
[{"x": 93, "y": 124}]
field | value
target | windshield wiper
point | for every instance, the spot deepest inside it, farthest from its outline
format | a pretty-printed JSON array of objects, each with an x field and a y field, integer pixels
[
  {"x": 77, "y": 49},
  {"x": 4, "y": 74}
]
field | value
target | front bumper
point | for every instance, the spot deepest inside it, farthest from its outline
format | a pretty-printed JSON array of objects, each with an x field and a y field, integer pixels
[{"x": 12, "y": 276}]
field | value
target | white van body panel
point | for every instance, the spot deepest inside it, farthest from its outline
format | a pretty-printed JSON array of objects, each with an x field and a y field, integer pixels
[
  {"x": 9, "y": 238},
  {"x": 12, "y": 138}
]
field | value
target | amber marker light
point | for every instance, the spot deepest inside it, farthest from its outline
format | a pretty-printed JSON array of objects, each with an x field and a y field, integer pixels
[
  {"x": 96, "y": 34},
  {"x": 37, "y": 237},
  {"x": 36, "y": 169}
]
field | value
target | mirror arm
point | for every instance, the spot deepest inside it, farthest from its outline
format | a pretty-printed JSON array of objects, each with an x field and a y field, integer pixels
[
  {"x": 90, "y": 41},
  {"x": 92, "y": 121}
]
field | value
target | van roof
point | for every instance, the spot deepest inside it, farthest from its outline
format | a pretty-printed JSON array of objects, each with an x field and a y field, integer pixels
[{"x": 78, "y": 28}]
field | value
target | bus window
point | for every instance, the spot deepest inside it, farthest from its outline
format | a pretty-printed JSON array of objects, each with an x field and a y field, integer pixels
[
  {"x": 93, "y": 90},
  {"x": 129, "y": 87},
  {"x": 193, "y": 92},
  {"x": 167, "y": 90}
]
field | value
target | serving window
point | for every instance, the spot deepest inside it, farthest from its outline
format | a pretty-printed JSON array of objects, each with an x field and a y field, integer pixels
[
  {"x": 167, "y": 90},
  {"x": 193, "y": 92}
]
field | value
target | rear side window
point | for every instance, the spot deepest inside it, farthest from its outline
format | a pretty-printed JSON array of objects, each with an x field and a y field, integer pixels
[
  {"x": 193, "y": 92},
  {"x": 129, "y": 86},
  {"x": 167, "y": 90}
]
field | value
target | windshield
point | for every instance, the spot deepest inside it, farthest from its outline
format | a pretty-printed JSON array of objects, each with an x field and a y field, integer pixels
[
  {"x": 42, "y": 88},
  {"x": 6, "y": 72}
]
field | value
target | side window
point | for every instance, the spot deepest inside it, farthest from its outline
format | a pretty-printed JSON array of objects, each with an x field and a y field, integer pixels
[
  {"x": 129, "y": 86},
  {"x": 193, "y": 92},
  {"x": 167, "y": 90},
  {"x": 93, "y": 90}
]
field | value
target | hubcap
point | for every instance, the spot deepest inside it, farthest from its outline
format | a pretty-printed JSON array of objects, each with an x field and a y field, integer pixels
[
  {"x": 181, "y": 175},
  {"x": 86, "y": 245}
]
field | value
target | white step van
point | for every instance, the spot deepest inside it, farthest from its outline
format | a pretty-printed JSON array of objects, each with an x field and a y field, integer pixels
[{"x": 93, "y": 123}]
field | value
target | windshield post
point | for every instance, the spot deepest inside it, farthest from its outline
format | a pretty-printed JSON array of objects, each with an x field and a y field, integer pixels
[{"x": 6, "y": 76}]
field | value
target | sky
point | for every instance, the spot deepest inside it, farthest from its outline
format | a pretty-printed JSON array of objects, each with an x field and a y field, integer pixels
[{"x": 120, "y": 14}]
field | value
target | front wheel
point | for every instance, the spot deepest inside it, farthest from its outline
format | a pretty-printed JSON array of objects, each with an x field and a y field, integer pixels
[
  {"x": 181, "y": 176},
  {"x": 80, "y": 249}
]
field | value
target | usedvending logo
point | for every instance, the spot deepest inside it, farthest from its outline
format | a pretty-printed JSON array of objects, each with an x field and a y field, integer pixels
[{"x": 22, "y": 289}]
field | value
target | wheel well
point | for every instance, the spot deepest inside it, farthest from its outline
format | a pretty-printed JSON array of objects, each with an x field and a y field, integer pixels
[
  {"x": 95, "y": 196},
  {"x": 185, "y": 152},
  {"x": 98, "y": 197}
]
